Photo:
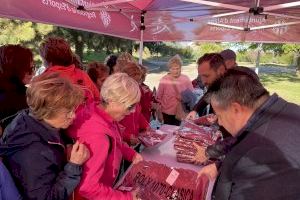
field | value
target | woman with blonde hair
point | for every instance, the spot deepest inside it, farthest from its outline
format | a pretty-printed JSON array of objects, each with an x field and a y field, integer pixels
[
  {"x": 32, "y": 146},
  {"x": 98, "y": 128},
  {"x": 170, "y": 88}
]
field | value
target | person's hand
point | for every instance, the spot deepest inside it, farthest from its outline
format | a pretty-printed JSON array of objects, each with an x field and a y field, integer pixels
[
  {"x": 212, "y": 118},
  {"x": 134, "y": 140},
  {"x": 134, "y": 194},
  {"x": 178, "y": 97},
  {"x": 200, "y": 156},
  {"x": 210, "y": 171},
  {"x": 79, "y": 153},
  {"x": 137, "y": 158},
  {"x": 191, "y": 115}
]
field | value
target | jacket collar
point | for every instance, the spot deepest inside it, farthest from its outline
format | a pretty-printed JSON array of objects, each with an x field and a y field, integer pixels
[
  {"x": 58, "y": 68},
  {"x": 269, "y": 108}
]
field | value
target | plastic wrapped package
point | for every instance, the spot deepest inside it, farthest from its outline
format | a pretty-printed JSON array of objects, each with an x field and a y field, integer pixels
[
  {"x": 190, "y": 133},
  {"x": 152, "y": 137},
  {"x": 205, "y": 120},
  {"x": 156, "y": 181}
]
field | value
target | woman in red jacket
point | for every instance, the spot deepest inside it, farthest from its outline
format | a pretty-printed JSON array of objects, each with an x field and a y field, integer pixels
[
  {"x": 135, "y": 122},
  {"x": 58, "y": 57},
  {"x": 97, "y": 127}
]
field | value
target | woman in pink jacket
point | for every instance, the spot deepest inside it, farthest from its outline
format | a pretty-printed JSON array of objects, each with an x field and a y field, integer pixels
[
  {"x": 97, "y": 127},
  {"x": 170, "y": 88}
]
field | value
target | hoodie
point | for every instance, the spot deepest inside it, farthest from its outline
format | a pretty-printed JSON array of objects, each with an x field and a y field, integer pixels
[
  {"x": 34, "y": 154},
  {"x": 79, "y": 77}
]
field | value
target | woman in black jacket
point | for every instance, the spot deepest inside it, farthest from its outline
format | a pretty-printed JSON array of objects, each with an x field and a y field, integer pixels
[
  {"x": 16, "y": 68},
  {"x": 32, "y": 147}
]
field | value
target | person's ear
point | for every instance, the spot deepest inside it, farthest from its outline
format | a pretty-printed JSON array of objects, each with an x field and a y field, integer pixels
[{"x": 236, "y": 107}]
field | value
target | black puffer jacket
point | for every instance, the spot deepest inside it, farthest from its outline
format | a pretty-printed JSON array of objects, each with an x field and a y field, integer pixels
[{"x": 34, "y": 154}]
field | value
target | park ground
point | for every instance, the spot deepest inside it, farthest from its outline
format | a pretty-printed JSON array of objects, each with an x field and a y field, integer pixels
[{"x": 284, "y": 81}]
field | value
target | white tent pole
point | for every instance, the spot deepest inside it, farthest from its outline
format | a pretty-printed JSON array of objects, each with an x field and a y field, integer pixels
[
  {"x": 226, "y": 26},
  {"x": 142, "y": 28},
  {"x": 216, "y": 4},
  {"x": 274, "y": 25},
  {"x": 141, "y": 48},
  {"x": 259, "y": 49},
  {"x": 281, "y": 15},
  {"x": 280, "y": 6}
]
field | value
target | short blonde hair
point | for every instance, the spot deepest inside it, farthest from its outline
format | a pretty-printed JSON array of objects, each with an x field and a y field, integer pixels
[
  {"x": 175, "y": 60},
  {"x": 119, "y": 87},
  {"x": 49, "y": 93}
]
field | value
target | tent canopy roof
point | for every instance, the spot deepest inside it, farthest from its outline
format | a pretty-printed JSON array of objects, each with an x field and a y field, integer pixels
[{"x": 274, "y": 21}]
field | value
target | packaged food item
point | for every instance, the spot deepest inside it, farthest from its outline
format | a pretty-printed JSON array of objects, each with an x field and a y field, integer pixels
[
  {"x": 152, "y": 137},
  {"x": 160, "y": 182},
  {"x": 189, "y": 134}
]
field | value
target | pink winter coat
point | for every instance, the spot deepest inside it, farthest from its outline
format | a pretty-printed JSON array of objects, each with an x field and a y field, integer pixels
[
  {"x": 133, "y": 124},
  {"x": 166, "y": 94},
  {"x": 97, "y": 130},
  {"x": 77, "y": 76}
]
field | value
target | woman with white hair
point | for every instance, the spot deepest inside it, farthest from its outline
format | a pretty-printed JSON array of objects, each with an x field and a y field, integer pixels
[
  {"x": 97, "y": 127},
  {"x": 170, "y": 88}
]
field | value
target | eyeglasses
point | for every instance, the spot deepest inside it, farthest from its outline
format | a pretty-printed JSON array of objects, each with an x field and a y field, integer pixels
[
  {"x": 131, "y": 107},
  {"x": 69, "y": 113}
]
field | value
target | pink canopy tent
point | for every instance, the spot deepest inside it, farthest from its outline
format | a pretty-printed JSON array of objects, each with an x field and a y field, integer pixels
[
  {"x": 275, "y": 21},
  {"x": 168, "y": 20}
]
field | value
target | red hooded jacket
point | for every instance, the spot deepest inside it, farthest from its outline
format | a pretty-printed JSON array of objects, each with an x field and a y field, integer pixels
[
  {"x": 133, "y": 124},
  {"x": 146, "y": 101},
  {"x": 77, "y": 76}
]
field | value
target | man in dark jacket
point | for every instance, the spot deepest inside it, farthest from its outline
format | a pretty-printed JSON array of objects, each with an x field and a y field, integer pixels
[
  {"x": 264, "y": 161},
  {"x": 210, "y": 67}
]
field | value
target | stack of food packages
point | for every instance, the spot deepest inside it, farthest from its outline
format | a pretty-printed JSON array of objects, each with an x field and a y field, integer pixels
[
  {"x": 154, "y": 181},
  {"x": 190, "y": 133},
  {"x": 150, "y": 138}
]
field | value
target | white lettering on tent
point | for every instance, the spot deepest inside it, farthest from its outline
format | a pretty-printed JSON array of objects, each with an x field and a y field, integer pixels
[
  {"x": 132, "y": 24},
  {"x": 82, "y": 2},
  {"x": 159, "y": 27},
  {"x": 105, "y": 18},
  {"x": 281, "y": 29},
  {"x": 68, "y": 8},
  {"x": 237, "y": 21}
]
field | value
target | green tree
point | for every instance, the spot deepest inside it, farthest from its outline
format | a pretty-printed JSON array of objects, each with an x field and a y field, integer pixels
[
  {"x": 16, "y": 32},
  {"x": 276, "y": 48},
  {"x": 295, "y": 49}
]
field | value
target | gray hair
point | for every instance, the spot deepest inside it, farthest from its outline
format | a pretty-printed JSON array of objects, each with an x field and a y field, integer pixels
[
  {"x": 237, "y": 86},
  {"x": 175, "y": 60}
]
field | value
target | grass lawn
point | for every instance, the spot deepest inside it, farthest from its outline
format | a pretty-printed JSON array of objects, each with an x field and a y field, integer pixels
[{"x": 286, "y": 85}]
